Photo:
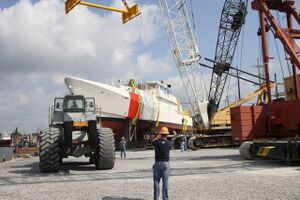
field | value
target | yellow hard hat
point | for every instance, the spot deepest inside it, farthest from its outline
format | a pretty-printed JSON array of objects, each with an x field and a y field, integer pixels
[{"x": 164, "y": 131}]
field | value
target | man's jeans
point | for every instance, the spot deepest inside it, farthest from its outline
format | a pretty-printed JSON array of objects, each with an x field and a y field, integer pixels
[
  {"x": 182, "y": 146},
  {"x": 123, "y": 153},
  {"x": 161, "y": 170}
]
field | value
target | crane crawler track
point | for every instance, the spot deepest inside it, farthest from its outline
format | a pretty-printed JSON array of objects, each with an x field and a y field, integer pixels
[{"x": 203, "y": 140}]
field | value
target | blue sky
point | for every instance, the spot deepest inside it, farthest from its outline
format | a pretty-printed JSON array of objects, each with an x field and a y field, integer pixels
[
  {"x": 40, "y": 45},
  {"x": 206, "y": 16}
]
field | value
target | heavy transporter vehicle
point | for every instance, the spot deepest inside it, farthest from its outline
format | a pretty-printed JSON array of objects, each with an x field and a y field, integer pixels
[{"x": 75, "y": 130}]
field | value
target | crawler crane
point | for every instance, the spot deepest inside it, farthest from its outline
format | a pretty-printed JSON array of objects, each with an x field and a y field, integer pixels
[
  {"x": 184, "y": 48},
  {"x": 280, "y": 121}
]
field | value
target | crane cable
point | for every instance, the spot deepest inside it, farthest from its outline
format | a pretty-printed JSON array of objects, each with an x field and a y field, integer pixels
[
  {"x": 277, "y": 49},
  {"x": 227, "y": 96},
  {"x": 200, "y": 71},
  {"x": 239, "y": 58},
  {"x": 202, "y": 80},
  {"x": 192, "y": 15},
  {"x": 242, "y": 47},
  {"x": 287, "y": 62},
  {"x": 260, "y": 50},
  {"x": 279, "y": 58},
  {"x": 239, "y": 66}
]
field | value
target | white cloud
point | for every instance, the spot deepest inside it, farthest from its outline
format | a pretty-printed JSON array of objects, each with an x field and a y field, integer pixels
[
  {"x": 59, "y": 78},
  {"x": 149, "y": 30},
  {"x": 41, "y": 37},
  {"x": 177, "y": 88},
  {"x": 150, "y": 66},
  {"x": 39, "y": 45}
]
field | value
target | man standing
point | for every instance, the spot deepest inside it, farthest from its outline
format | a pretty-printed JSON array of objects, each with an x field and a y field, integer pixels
[
  {"x": 161, "y": 168},
  {"x": 185, "y": 143},
  {"x": 182, "y": 144},
  {"x": 122, "y": 146}
]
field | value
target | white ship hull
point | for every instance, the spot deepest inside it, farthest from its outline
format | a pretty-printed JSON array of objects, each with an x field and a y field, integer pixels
[{"x": 119, "y": 105}]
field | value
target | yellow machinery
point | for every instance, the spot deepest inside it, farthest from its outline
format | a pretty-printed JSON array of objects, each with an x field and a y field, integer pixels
[
  {"x": 220, "y": 124},
  {"x": 127, "y": 14},
  {"x": 289, "y": 85},
  {"x": 221, "y": 119}
]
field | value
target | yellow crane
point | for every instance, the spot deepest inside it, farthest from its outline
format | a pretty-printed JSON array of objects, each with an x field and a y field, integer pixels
[
  {"x": 221, "y": 119},
  {"x": 220, "y": 123},
  {"x": 127, "y": 14}
]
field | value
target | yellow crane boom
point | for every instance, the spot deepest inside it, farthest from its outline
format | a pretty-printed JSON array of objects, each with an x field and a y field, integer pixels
[
  {"x": 222, "y": 117},
  {"x": 127, "y": 14}
]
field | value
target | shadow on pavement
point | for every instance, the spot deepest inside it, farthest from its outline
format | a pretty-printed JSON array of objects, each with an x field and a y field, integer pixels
[
  {"x": 84, "y": 171},
  {"x": 238, "y": 158},
  {"x": 33, "y": 168}
]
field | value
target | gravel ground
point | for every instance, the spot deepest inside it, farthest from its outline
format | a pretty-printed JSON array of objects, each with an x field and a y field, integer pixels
[{"x": 204, "y": 174}]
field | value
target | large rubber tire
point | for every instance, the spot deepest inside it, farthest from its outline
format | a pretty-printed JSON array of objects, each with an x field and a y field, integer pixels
[
  {"x": 105, "y": 151},
  {"x": 50, "y": 159}
]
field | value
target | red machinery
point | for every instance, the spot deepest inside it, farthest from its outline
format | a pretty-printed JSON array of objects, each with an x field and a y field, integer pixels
[{"x": 279, "y": 120}]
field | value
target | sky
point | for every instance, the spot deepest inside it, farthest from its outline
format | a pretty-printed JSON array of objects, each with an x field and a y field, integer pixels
[{"x": 40, "y": 45}]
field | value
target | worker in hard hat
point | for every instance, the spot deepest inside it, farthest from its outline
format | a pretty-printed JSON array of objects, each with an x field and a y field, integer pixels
[{"x": 161, "y": 168}]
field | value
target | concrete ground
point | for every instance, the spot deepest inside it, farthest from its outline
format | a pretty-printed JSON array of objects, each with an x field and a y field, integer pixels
[{"x": 205, "y": 174}]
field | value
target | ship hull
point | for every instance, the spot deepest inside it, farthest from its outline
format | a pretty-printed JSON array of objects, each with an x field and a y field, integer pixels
[
  {"x": 121, "y": 128},
  {"x": 5, "y": 143},
  {"x": 120, "y": 108}
]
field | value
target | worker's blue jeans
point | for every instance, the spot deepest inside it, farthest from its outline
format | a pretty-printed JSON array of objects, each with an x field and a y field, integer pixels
[
  {"x": 123, "y": 153},
  {"x": 182, "y": 146},
  {"x": 161, "y": 170}
]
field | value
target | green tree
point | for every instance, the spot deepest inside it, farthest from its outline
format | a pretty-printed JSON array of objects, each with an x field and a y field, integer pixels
[{"x": 15, "y": 133}]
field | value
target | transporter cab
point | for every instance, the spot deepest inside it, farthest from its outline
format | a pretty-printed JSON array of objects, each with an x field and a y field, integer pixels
[{"x": 75, "y": 130}]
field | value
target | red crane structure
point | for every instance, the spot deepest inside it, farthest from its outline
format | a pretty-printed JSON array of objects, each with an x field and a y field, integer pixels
[
  {"x": 279, "y": 120},
  {"x": 285, "y": 35}
]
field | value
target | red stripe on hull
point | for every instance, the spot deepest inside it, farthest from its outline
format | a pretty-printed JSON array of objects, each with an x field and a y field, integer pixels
[{"x": 133, "y": 106}]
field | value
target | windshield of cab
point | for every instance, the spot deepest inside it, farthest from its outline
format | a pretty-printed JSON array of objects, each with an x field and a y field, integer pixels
[{"x": 74, "y": 104}]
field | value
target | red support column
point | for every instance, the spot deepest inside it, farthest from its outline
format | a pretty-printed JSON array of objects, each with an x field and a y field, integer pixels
[
  {"x": 283, "y": 35},
  {"x": 265, "y": 52}
]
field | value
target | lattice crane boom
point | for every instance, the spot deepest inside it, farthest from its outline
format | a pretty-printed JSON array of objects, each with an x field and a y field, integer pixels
[
  {"x": 184, "y": 48},
  {"x": 232, "y": 19}
]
